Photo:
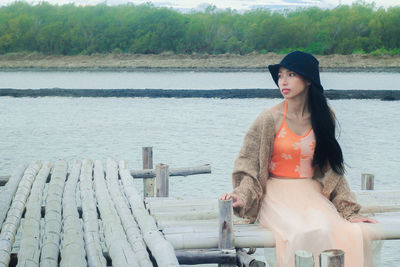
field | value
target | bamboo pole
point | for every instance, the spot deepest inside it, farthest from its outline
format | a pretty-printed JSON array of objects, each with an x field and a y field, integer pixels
[
  {"x": 52, "y": 231},
  {"x": 332, "y": 258},
  {"x": 367, "y": 181},
  {"x": 150, "y": 173},
  {"x": 162, "y": 180},
  {"x": 148, "y": 184},
  {"x": 72, "y": 245},
  {"x": 226, "y": 238},
  {"x": 14, "y": 214},
  {"x": 161, "y": 250},
  {"x": 246, "y": 260},
  {"x": 204, "y": 256},
  {"x": 89, "y": 215},
  {"x": 117, "y": 244},
  {"x": 29, "y": 248},
  {"x": 9, "y": 190},
  {"x": 303, "y": 258},
  {"x": 128, "y": 221}
]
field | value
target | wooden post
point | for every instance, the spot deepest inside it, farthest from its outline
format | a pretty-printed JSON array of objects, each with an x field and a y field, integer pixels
[
  {"x": 247, "y": 260},
  {"x": 148, "y": 184},
  {"x": 332, "y": 258},
  {"x": 303, "y": 258},
  {"x": 226, "y": 237},
  {"x": 367, "y": 181},
  {"x": 162, "y": 183}
]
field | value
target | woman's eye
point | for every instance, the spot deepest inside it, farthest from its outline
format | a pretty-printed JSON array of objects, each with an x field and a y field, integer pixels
[{"x": 292, "y": 74}]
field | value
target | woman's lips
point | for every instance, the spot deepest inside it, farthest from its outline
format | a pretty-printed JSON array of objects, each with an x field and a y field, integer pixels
[{"x": 285, "y": 91}]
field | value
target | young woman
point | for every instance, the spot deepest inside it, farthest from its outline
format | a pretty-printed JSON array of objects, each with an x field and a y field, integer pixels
[{"x": 289, "y": 172}]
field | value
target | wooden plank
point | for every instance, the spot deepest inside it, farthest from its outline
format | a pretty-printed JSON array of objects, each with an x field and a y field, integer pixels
[
  {"x": 150, "y": 173},
  {"x": 128, "y": 221},
  {"x": 89, "y": 215},
  {"x": 117, "y": 244},
  {"x": 367, "y": 181},
  {"x": 148, "y": 184},
  {"x": 9, "y": 190},
  {"x": 72, "y": 246},
  {"x": 14, "y": 214},
  {"x": 226, "y": 237},
  {"x": 52, "y": 231},
  {"x": 29, "y": 248},
  {"x": 162, "y": 251},
  {"x": 162, "y": 180}
]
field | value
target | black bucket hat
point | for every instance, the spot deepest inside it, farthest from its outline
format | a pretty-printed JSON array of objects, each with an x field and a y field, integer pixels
[{"x": 303, "y": 64}]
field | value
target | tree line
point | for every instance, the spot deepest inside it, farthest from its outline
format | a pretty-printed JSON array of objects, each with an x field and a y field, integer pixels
[{"x": 146, "y": 29}]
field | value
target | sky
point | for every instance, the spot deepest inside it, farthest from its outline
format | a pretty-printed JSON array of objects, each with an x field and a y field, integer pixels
[{"x": 221, "y": 4}]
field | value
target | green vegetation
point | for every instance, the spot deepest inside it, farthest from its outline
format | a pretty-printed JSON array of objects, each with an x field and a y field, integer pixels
[{"x": 71, "y": 30}]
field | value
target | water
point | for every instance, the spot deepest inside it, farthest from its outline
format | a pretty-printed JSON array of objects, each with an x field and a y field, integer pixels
[
  {"x": 186, "y": 80},
  {"x": 184, "y": 133}
]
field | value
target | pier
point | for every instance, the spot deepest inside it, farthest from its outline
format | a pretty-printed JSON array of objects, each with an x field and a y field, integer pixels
[{"x": 89, "y": 213}]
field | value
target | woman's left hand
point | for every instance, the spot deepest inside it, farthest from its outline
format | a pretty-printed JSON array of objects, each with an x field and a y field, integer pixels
[{"x": 360, "y": 219}]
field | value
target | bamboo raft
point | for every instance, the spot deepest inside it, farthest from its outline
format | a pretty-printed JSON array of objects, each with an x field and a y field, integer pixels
[{"x": 91, "y": 214}]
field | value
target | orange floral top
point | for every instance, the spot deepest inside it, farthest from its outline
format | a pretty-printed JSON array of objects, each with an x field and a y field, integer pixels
[{"x": 292, "y": 154}]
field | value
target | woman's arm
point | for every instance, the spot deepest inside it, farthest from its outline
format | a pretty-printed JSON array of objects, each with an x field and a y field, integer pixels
[{"x": 337, "y": 189}]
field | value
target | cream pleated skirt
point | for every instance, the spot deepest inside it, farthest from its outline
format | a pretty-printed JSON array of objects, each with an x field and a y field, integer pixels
[{"x": 303, "y": 219}]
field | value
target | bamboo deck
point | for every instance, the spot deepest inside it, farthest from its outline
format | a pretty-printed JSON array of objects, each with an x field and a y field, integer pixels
[{"x": 90, "y": 214}]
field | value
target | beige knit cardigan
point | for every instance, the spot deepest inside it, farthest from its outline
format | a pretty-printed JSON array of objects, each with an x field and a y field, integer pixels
[{"x": 251, "y": 172}]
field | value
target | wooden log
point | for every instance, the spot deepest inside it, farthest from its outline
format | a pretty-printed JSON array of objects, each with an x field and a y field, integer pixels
[
  {"x": 89, "y": 215},
  {"x": 332, "y": 258},
  {"x": 128, "y": 221},
  {"x": 367, "y": 181},
  {"x": 253, "y": 235},
  {"x": 14, "y": 214},
  {"x": 117, "y": 244},
  {"x": 203, "y": 215},
  {"x": 148, "y": 184},
  {"x": 226, "y": 234},
  {"x": 247, "y": 260},
  {"x": 202, "y": 256},
  {"x": 72, "y": 245},
  {"x": 29, "y": 248},
  {"x": 9, "y": 190},
  {"x": 226, "y": 238},
  {"x": 162, "y": 180},
  {"x": 52, "y": 231},
  {"x": 372, "y": 201},
  {"x": 150, "y": 173},
  {"x": 303, "y": 258},
  {"x": 162, "y": 251}
]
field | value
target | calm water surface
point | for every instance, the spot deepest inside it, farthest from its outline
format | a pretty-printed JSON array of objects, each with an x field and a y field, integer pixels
[{"x": 186, "y": 80}]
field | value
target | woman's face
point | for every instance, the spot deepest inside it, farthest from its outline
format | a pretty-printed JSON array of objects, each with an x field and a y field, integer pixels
[{"x": 291, "y": 84}]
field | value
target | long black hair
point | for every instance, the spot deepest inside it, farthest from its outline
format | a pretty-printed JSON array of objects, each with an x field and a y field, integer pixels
[{"x": 323, "y": 121}]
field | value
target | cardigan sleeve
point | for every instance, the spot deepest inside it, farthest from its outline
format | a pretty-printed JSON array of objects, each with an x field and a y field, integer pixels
[
  {"x": 245, "y": 177},
  {"x": 338, "y": 190}
]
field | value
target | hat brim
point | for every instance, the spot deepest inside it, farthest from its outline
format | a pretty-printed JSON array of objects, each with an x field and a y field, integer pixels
[{"x": 274, "y": 70}]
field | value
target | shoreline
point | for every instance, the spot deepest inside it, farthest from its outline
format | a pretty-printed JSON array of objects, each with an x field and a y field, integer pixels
[
  {"x": 199, "y": 63},
  {"x": 387, "y": 95}
]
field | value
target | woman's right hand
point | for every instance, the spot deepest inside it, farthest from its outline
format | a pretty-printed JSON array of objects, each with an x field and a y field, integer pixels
[{"x": 236, "y": 200}]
